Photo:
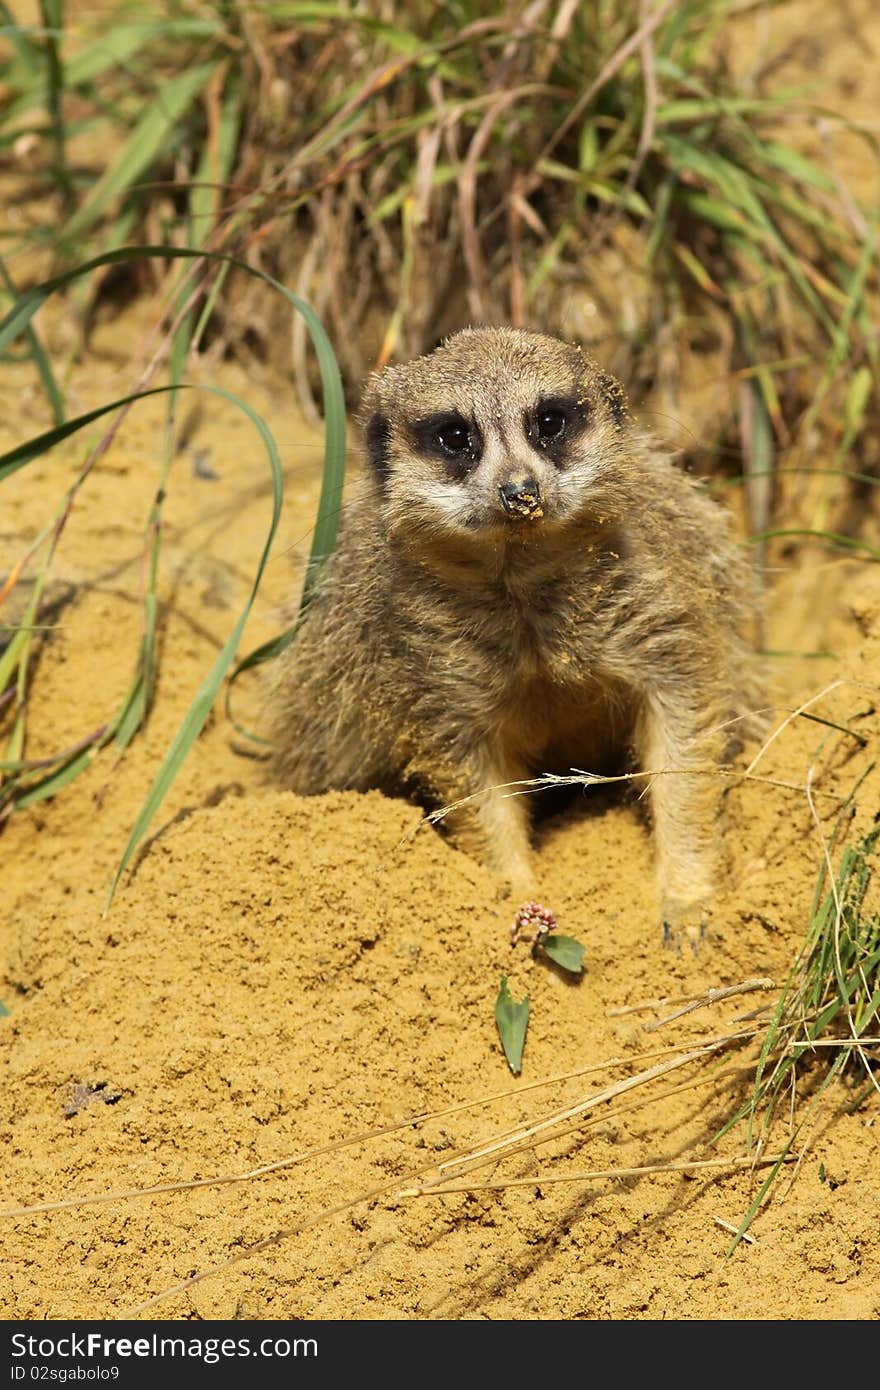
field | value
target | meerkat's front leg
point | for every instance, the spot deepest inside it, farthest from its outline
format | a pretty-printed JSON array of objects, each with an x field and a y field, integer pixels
[
  {"x": 672, "y": 738},
  {"x": 493, "y": 823}
]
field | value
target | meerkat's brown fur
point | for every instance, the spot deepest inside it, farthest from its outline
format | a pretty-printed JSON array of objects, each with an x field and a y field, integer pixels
[{"x": 524, "y": 583}]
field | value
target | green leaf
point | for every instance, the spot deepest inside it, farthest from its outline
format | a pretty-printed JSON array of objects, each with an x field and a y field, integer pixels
[
  {"x": 16, "y": 458},
  {"x": 512, "y": 1020},
  {"x": 565, "y": 952},
  {"x": 141, "y": 147}
]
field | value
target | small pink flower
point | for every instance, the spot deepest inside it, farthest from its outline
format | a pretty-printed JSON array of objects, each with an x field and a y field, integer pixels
[{"x": 534, "y": 922}]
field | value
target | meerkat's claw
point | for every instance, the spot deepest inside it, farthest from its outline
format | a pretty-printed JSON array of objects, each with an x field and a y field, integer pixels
[{"x": 687, "y": 928}]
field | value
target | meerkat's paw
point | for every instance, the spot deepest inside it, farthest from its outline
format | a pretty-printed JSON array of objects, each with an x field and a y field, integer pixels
[
  {"x": 685, "y": 927},
  {"x": 518, "y": 882}
]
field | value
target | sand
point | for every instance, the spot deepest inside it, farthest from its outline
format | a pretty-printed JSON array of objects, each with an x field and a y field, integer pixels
[{"x": 287, "y": 981}]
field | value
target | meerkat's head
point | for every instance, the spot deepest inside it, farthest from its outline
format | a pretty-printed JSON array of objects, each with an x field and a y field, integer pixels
[{"x": 498, "y": 433}]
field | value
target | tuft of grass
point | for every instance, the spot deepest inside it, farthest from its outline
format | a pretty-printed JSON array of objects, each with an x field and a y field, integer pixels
[{"x": 826, "y": 1009}]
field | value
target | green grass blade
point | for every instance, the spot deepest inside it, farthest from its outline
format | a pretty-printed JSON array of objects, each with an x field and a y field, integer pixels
[
  {"x": 28, "y": 53},
  {"x": 325, "y": 530},
  {"x": 55, "y": 781},
  {"x": 52, "y": 12},
  {"x": 23, "y": 454},
  {"x": 118, "y": 44},
  {"x": 134, "y": 706},
  {"x": 832, "y": 537},
  {"x": 11, "y": 656},
  {"x": 114, "y": 47},
  {"x": 324, "y": 539},
  {"x": 213, "y": 170},
  {"x": 761, "y": 1194},
  {"x": 141, "y": 148},
  {"x": 689, "y": 109},
  {"x": 203, "y": 703},
  {"x": 322, "y": 545},
  {"x": 326, "y": 526},
  {"x": 759, "y": 460},
  {"x": 800, "y": 169},
  {"x": 38, "y": 353}
]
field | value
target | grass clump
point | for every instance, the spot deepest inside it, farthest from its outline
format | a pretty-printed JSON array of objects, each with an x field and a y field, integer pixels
[
  {"x": 834, "y": 988},
  {"x": 827, "y": 1012}
]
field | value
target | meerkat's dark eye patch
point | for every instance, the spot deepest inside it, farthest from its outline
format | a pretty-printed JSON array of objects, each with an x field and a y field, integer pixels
[
  {"x": 451, "y": 437},
  {"x": 378, "y": 435},
  {"x": 553, "y": 422}
]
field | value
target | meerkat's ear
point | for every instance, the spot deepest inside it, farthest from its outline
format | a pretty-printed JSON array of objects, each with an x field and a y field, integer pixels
[
  {"x": 608, "y": 387},
  {"x": 377, "y": 434}
]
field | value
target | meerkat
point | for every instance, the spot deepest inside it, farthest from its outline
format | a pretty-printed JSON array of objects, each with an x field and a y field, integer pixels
[{"x": 525, "y": 583}]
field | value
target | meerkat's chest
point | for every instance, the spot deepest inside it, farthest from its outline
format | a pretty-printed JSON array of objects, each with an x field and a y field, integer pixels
[
  {"x": 526, "y": 667},
  {"x": 551, "y": 677},
  {"x": 539, "y": 658},
  {"x": 552, "y": 637}
]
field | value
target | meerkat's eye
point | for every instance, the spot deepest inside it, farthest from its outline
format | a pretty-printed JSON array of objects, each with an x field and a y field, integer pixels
[
  {"x": 550, "y": 424},
  {"x": 454, "y": 437},
  {"x": 553, "y": 423},
  {"x": 449, "y": 436}
]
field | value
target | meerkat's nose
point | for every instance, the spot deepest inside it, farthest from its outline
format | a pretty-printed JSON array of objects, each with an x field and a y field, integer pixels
[{"x": 522, "y": 497}]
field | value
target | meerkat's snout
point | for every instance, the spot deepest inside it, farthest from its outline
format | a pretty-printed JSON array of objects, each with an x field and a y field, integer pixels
[{"x": 522, "y": 497}]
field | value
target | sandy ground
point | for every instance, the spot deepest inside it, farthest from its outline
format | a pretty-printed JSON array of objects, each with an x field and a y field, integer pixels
[
  {"x": 289, "y": 981},
  {"x": 306, "y": 987}
]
